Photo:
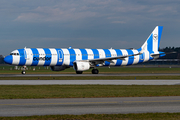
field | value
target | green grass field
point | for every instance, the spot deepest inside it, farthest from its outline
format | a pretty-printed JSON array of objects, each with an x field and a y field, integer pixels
[
  {"x": 44, "y": 70},
  {"x": 85, "y": 91}
]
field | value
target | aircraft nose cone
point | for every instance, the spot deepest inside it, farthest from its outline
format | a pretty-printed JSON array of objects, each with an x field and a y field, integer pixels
[{"x": 8, "y": 59}]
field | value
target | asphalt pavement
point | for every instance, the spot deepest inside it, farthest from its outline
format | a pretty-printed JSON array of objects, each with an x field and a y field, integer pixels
[{"x": 79, "y": 106}]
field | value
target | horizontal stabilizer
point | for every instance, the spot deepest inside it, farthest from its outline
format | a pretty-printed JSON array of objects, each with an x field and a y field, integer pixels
[{"x": 154, "y": 55}]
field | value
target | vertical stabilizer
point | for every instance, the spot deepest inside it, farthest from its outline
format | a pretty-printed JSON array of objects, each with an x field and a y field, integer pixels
[{"x": 153, "y": 41}]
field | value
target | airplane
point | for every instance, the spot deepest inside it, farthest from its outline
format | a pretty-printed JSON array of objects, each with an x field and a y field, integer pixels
[{"x": 84, "y": 59}]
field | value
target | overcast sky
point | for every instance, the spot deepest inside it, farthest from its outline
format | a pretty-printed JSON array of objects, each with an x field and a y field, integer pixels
[{"x": 86, "y": 23}]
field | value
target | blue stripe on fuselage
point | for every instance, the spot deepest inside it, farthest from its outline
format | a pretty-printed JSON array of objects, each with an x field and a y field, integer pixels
[
  {"x": 119, "y": 53},
  {"x": 96, "y": 53},
  {"x": 131, "y": 58},
  {"x": 35, "y": 55},
  {"x": 84, "y": 54},
  {"x": 72, "y": 56},
  {"x": 48, "y": 55},
  {"x": 22, "y": 57},
  {"x": 108, "y": 54}
]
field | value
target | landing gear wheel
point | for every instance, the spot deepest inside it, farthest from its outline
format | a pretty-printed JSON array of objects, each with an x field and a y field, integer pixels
[
  {"x": 79, "y": 72},
  {"x": 23, "y": 72},
  {"x": 95, "y": 71}
]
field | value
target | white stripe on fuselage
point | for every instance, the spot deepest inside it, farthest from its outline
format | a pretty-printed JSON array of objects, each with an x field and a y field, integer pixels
[
  {"x": 41, "y": 56},
  {"x": 53, "y": 56},
  {"x": 136, "y": 58},
  {"x": 16, "y": 58},
  {"x": 90, "y": 54},
  {"x": 78, "y": 54},
  {"x": 113, "y": 54},
  {"x": 101, "y": 53},
  {"x": 29, "y": 56},
  {"x": 66, "y": 57}
]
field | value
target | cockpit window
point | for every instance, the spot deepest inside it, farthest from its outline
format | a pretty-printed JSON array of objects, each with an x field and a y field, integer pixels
[{"x": 14, "y": 54}]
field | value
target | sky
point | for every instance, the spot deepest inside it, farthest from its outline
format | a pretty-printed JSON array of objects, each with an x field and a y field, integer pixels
[{"x": 105, "y": 24}]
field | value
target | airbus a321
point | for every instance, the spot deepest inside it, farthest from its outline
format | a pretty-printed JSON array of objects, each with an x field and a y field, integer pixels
[{"x": 84, "y": 59}]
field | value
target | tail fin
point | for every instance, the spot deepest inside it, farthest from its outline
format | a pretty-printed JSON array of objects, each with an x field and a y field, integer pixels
[{"x": 153, "y": 41}]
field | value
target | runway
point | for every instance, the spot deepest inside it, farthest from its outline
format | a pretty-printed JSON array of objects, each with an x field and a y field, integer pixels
[
  {"x": 113, "y": 74},
  {"x": 78, "y": 106},
  {"x": 89, "y": 82}
]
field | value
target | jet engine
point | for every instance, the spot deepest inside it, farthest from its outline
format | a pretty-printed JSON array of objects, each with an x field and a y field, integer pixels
[
  {"x": 81, "y": 66},
  {"x": 58, "y": 68}
]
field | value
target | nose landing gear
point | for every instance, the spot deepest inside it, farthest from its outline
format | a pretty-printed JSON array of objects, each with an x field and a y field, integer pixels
[{"x": 24, "y": 70}]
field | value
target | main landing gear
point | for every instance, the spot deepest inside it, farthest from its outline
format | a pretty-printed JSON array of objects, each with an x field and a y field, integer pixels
[
  {"x": 95, "y": 71},
  {"x": 79, "y": 72}
]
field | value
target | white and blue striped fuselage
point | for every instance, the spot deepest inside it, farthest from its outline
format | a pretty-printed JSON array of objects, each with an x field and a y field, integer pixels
[{"x": 59, "y": 57}]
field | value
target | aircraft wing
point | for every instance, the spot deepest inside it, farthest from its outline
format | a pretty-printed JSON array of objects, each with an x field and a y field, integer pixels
[{"x": 109, "y": 59}]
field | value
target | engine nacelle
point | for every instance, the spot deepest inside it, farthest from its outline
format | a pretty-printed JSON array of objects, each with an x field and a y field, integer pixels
[
  {"x": 81, "y": 66},
  {"x": 58, "y": 68}
]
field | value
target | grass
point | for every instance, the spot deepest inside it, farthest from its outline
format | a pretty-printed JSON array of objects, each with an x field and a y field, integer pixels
[
  {"x": 85, "y": 91},
  {"x": 141, "y": 116},
  {"x": 93, "y": 78},
  {"x": 44, "y": 70}
]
